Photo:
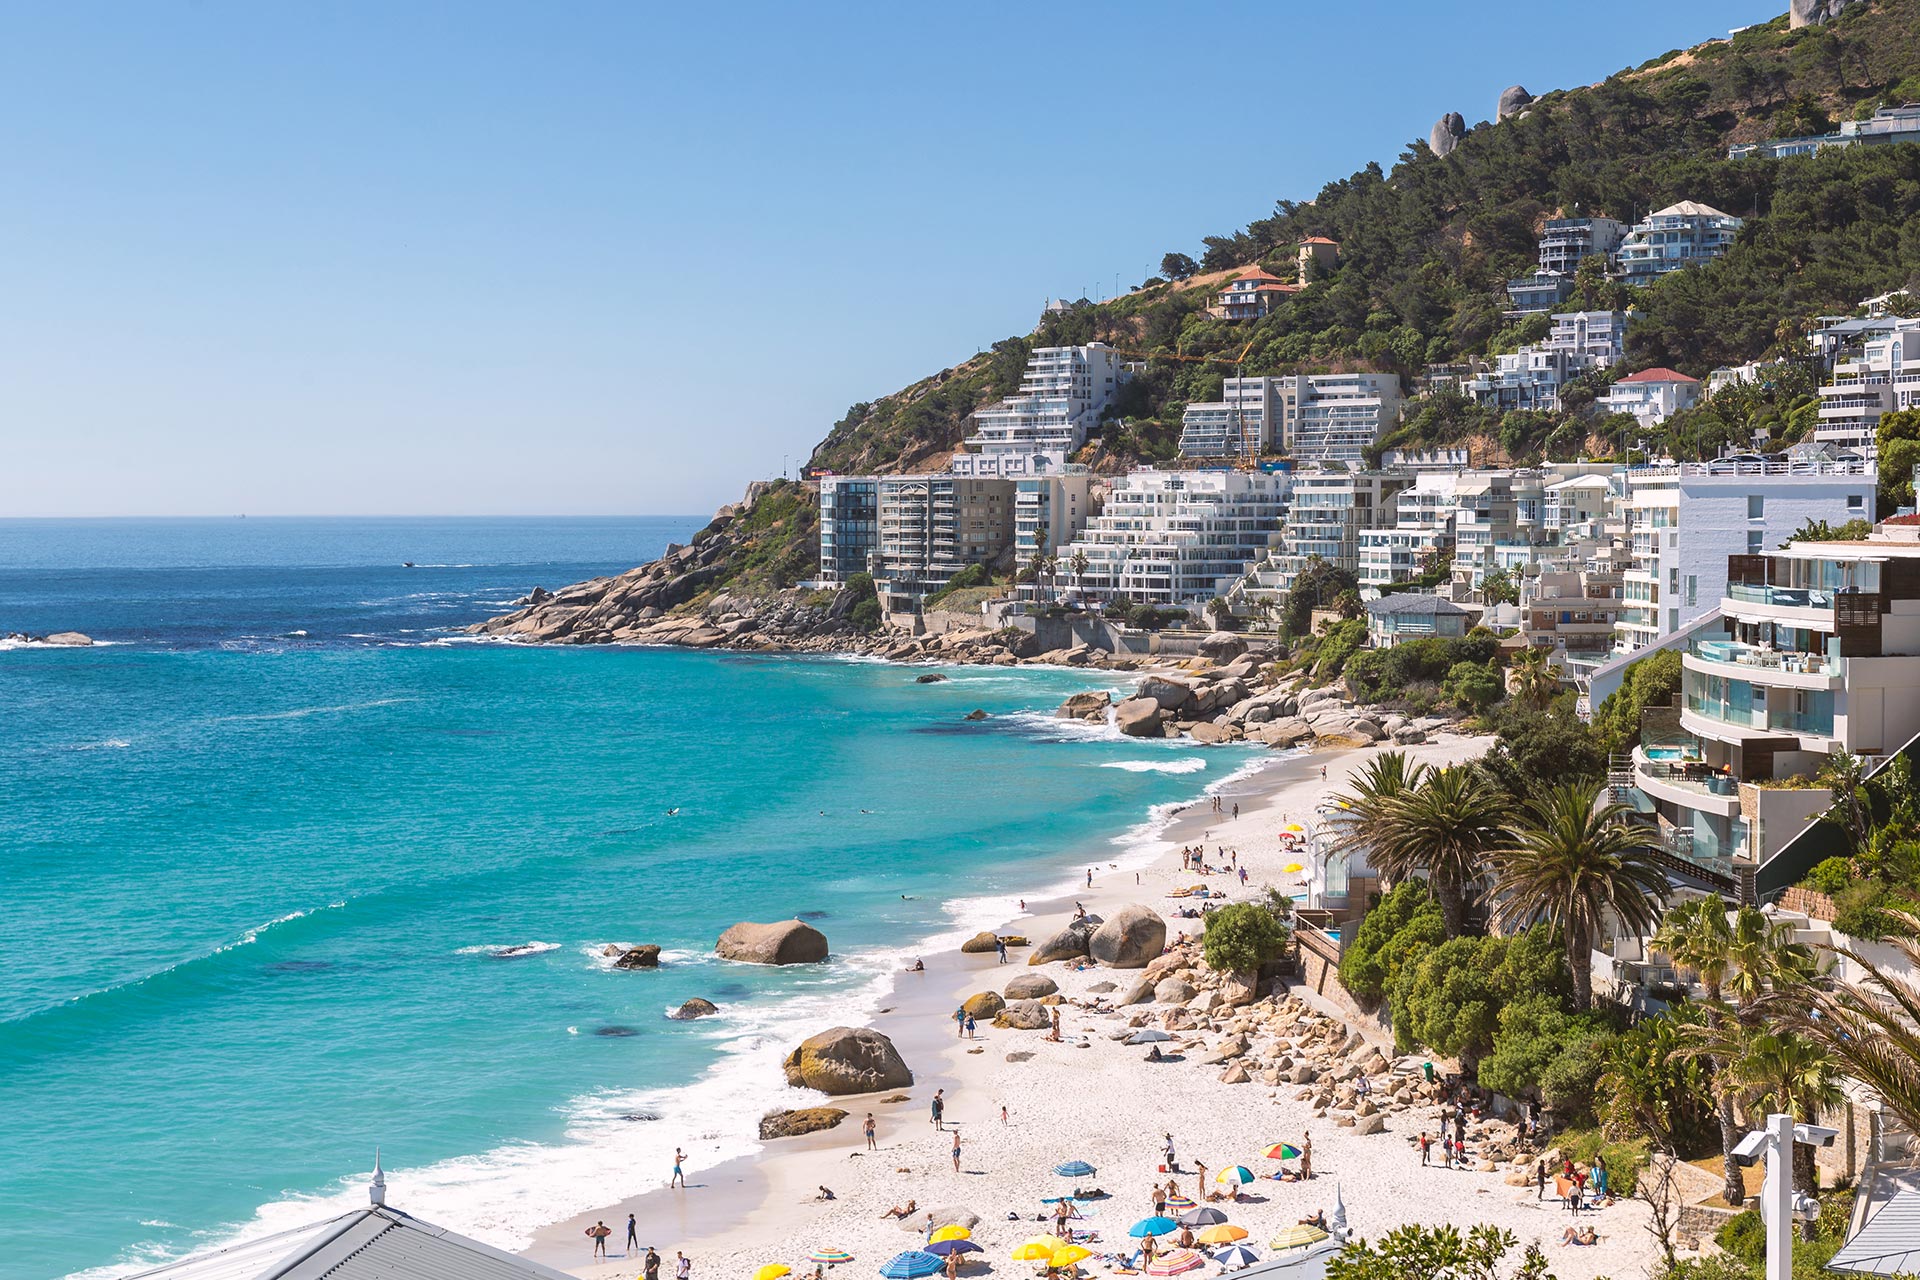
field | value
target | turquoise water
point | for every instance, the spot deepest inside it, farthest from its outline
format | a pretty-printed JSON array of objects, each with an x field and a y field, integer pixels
[{"x": 255, "y": 882}]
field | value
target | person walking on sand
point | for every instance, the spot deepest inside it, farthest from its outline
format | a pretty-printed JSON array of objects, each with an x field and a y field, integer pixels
[
  {"x": 1054, "y": 1035},
  {"x": 1003, "y": 1115},
  {"x": 679, "y": 1174},
  {"x": 1000, "y": 946},
  {"x": 938, "y": 1107},
  {"x": 956, "y": 1151},
  {"x": 1306, "y": 1157},
  {"x": 683, "y": 1268},
  {"x": 650, "y": 1270},
  {"x": 969, "y": 1026},
  {"x": 1236, "y": 810},
  {"x": 633, "y": 1235},
  {"x": 1323, "y": 773},
  {"x": 598, "y": 1233},
  {"x": 1540, "y": 1180},
  {"x": 1089, "y": 877},
  {"x": 960, "y": 1022},
  {"x": 1426, "y": 1149},
  {"x": 871, "y": 1144},
  {"x": 1446, "y": 1149}
]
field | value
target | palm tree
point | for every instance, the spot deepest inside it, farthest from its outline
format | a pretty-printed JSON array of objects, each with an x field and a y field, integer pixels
[
  {"x": 1362, "y": 823},
  {"x": 1576, "y": 862},
  {"x": 1785, "y": 1072},
  {"x": 1695, "y": 935},
  {"x": 1448, "y": 828},
  {"x": 1079, "y": 565},
  {"x": 1533, "y": 680},
  {"x": 1869, "y": 1028}
]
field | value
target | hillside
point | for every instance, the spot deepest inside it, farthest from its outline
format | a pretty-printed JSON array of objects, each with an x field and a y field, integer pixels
[{"x": 1427, "y": 247}]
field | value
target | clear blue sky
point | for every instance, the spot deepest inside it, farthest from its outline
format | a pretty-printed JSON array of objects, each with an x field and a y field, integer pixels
[{"x": 618, "y": 258}]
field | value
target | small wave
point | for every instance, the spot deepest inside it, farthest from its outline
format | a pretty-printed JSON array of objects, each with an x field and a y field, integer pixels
[
  {"x": 295, "y": 635},
  {"x": 1187, "y": 764},
  {"x": 510, "y": 950},
  {"x": 105, "y": 744},
  {"x": 299, "y": 712}
]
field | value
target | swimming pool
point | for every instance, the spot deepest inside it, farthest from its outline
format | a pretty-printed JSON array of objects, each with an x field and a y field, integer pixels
[{"x": 1671, "y": 753}]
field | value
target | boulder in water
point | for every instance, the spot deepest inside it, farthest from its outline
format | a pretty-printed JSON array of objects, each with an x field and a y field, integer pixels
[
  {"x": 694, "y": 1008},
  {"x": 645, "y": 956},
  {"x": 72, "y": 639},
  {"x": 1138, "y": 718},
  {"x": 788, "y": 942}
]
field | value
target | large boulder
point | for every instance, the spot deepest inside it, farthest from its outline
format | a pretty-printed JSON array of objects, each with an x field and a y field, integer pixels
[
  {"x": 1223, "y": 646},
  {"x": 1173, "y": 990},
  {"x": 1025, "y": 1015},
  {"x": 694, "y": 1008},
  {"x": 788, "y": 942},
  {"x": 984, "y": 1005},
  {"x": 1138, "y": 718},
  {"x": 1447, "y": 132},
  {"x": 1135, "y": 936},
  {"x": 1086, "y": 706},
  {"x": 1810, "y": 13},
  {"x": 789, "y": 1124},
  {"x": 646, "y": 956},
  {"x": 845, "y": 1060},
  {"x": 1513, "y": 100},
  {"x": 1031, "y": 986},
  {"x": 75, "y": 639},
  {"x": 1170, "y": 694},
  {"x": 981, "y": 943},
  {"x": 1068, "y": 944}
]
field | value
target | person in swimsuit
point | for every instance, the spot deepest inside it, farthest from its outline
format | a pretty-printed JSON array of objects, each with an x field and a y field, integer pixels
[
  {"x": 599, "y": 1232},
  {"x": 633, "y": 1234},
  {"x": 679, "y": 1177}
]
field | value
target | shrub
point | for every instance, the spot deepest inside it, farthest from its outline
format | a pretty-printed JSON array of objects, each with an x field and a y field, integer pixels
[
  {"x": 1831, "y": 875},
  {"x": 1242, "y": 937},
  {"x": 1473, "y": 685},
  {"x": 1401, "y": 925},
  {"x": 1540, "y": 1045},
  {"x": 864, "y": 613}
]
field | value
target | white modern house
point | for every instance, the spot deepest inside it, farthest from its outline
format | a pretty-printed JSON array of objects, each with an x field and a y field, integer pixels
[
  {"x": 1493, "y": 508},
  {"x": 1252, "y": 294},
  {"x": 1682, "y": 521},
  {"x": 1652, "y": 395},
  {"x": 1422, "y": 528},
  {"x": 1244, "y": 422},
  {"x": 1336, "y": 417},
  {"x": 1531, "y": 377},
  {"x": 1178, "y": 537},
  {"x": 1681, "y": 235},
  {"x": 1883, "y": 377},
  {"x": 1061, "y": 397}
]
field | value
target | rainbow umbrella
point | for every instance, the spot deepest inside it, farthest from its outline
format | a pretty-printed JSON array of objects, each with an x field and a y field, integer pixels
[
  {"x": 1179, "y": 1203},
  {"x": 1236, "y": 1173},
  {"x": 831, "y": 1257},
  {"x": 1283, "y": 1151},
  {"x": 1172, "y": 1264}
]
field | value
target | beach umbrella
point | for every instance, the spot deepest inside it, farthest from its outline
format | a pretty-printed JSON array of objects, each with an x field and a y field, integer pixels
[
  {"x": 1152, "y": 1227},
  {"x": 1148, "y": 1035},
  {"x": 1222, "y": 1233},
  {"x": 1179, "y": 1204},
  {"x": 1234, "y": 1257},
  {"x": 773, "y": 1271},
  {"x": 1283, "y": 1151},
  {"x": 1205, "y": 1216},
  {"x": 831, "y": 1257},
  {"x": 1295, "y": 828},
  {"x": 1038, "y": 1249},
  {"x": 1297, "y": 1237},
  {"x": 1293, "y": 868},
  {"x": 947, "y": 1248},
  {"x": 1068, "y": 1255},
  {"x": 911, "y": 1265},
  {"x": 1236, "y": 1173},
  {"x": 1075, "y": 1169},
  {"x": 1172, "y": 1264},
  {"x": 952, "y": 1231}
]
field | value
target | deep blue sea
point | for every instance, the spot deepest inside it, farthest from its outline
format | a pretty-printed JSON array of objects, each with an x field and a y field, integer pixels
[{"x": 258, "y": 850}]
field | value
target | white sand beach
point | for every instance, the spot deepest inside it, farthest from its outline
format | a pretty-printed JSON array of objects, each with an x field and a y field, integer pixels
[{"x": 1086, "y": 1098}]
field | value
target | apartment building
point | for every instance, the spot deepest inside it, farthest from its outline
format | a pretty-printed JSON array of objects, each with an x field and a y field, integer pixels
[
  {"x": 1542, "y": 291},
  {"x": 1682, "y": 521},
  {"x": 1570, "y": 603},
  {"x": 1681, "y": 235},
  {"x": 1336, "y": 417},
  {"x": 1422, "y": 529},
  {"x": 1328, "y": 511},
  {"x": 1882, "y": 377},
  {"x": 1494, "y": 509},
  {"x": 1652, "y": 395},
  {"x": 1531, "y": 377},
  {"x": 1887, "y": 125},
  {"x": 1813, "y": 649},
  {"x": 1178, "y": 537},
  {"x": 1252, "y": 294},
  {"x": 1577, "y": 506},
  {"x": 1244, "y": 422},
  {"x": 1061, "y": 397},
  {"x": 849, "y": 526},
  {"x": 1050, "y": 511},
  {"x": 1565, "y": 242},
  {"x": 931, "y": 527}
]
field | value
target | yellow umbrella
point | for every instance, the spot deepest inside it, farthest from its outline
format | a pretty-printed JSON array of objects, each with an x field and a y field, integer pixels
[
  {"x": 1038, "y": 1249},
  {"x": 1297, "y": 1237},
  {"x": 773, "y": 1271},
  {"x": 1295, "y": 827},
  {"x": 952, "y": 1231},
  {"x": 1067, "y": 1255},
  {"x": 1292, "y": 868},
  {"x": 1222, "y": 1233}
]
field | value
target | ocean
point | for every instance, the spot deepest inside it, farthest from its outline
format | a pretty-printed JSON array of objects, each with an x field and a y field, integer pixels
[{"x": 263, "y": 848}]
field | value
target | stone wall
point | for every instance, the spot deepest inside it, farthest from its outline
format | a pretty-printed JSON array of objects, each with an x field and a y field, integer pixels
[
  {"x": 1808, "y": 903},
  {"x": 1320, "y": 968}
]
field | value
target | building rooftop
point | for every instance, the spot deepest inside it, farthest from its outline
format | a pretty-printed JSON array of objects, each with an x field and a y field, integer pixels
[
  {"x": 1658, "y": 375},
  {"x": 1319, "y": 240},
  {"x": 1413, "y": 602},
  {"x": 1257, "y": 273},
  {"x": 1690, "y": 209}
]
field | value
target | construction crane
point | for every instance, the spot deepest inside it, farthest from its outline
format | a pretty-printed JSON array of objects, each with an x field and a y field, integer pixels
[{"x": 1252, "y": 447}]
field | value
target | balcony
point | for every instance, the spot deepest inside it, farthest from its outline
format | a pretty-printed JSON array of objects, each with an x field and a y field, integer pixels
[
  {"x": 1820, "y": 671},
  {"x": 1687, "y": 782}
]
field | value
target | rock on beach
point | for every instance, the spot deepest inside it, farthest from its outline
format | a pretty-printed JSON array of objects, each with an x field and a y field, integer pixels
[
  {"x": 844, "y": 1060},
  {"x": 1134, "y": 937},
  {"x": 788, "y": 942}
]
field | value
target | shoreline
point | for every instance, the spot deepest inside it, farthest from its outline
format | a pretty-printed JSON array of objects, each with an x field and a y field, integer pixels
[{"x": 1082, "y": 1098}]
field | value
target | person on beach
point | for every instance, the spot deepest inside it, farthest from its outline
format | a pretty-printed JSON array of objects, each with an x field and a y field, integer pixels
[
  {"x": 1159, "y": 1201},
  {"x": 1243, "y": 877},
  {"x": 959, "y": 1022},
  {"x": 633, "y": 1235},
  {"x": 650, "y": 1269},
  {"x": 956, "y": 1151},
  {"x": 938, "y": 1106},
  {"x": 1054, "y": 1035},
  {"x": 969, "y": 1026},
  {"x": 682, "y": 1267},
  {"x": 1446, "y": 1149},
  {"x": 870, "y": 1127},
  {"x": 1003, "y": 1115},
  {"x": 1236, "y": 810},
  {"x": 1089, "y": 877},
  {"x": 1173, "y": 1165},
  {"x": 953, "y": 1266},
  {"x": 1200, "y": 1180},
  {"x": 598, "y": 1233},
  {"x": 927, "y": 1231},
  {"x": 1540, "y": 1179},
  {"x": 1323, "y": 773},
  {"x": 902, "y": 1212},
  {"x": 1306, "y": 1156},
  {"x": 1000, "y": 946},
  {"x": 1426, "y": 1149}
]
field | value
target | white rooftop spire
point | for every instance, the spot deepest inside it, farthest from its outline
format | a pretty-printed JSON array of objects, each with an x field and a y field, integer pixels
[{"x": 377, "y": 1189}]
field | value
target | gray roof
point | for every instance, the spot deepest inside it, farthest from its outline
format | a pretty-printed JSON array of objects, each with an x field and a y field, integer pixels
[
  {"x": 1889, "y": 1245},
  {"x": 377, "y": 1243},
  {"x": 1415, "y": 603}
]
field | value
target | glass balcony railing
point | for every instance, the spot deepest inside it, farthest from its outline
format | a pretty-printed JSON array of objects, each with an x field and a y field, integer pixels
[
  {"x": 1747, "y": 655},
  {"x": 1788, "y": 597}
]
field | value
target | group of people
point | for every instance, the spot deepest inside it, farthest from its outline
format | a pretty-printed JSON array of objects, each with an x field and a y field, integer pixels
[
  {"x": 600, "y": 1233},
  {"x": 1194, "y": 858}
]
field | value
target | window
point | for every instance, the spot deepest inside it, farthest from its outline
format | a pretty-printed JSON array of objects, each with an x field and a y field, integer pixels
[
  {"x": 1693, "y": 590},
  {"x": 1855, "y": 501},
  {"x": 1756, "y": 507},
  {"x": 1673, "y": 619},
  {"x": 1756, "y": 541},
  {"x": 1673, "y": 580}
]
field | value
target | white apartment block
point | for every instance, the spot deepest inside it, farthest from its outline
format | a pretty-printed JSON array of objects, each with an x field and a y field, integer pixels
[
  {"x": 1049, "y": 511},
  {"x": 1683, "y": 520},
  {"x": 1244, "y": 422},
  {"x": 1061, "y": 397},
  {"x": 1531, "y": 377},
  {"x": 1177, "y": 537},
  {"x": 1569, "y": 604},
  {"x": 1423, "y": 526},
  {"x": 1652, "y": 395},
  {"x": 1578, "y": 505},
  {"x": 1328, "y": 512},
  {"x": 1495, "y": 511},
  {"x": 1883, "y": 377},
  {"x": 1681, "y": 235},
  {"x": 1335, "y": 417},
  {"x": 933, "y": 526}
]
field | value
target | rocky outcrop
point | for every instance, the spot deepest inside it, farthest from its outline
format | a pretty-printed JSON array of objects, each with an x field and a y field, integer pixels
[
  {"x": 1138, "y": 718},
  {"x": 932, "y": 677},
  {"x": 1086, "y": 706},
  {"x": 645, "y": 956},
  {"x": 1068, "y": 944},
  {"x": 1132, "y": 938},
  {"x": 1446, "y": 134},
  {"x": 1811, "y": 13},
  {"x": 72, "y": 639},
  {"x": 1030, "y": 986},
  {"x": 847, "y": 1060},
  {"x": 1025, "y": 1015},
  {"x": 788, "y": 942},
  {"x": 694, "y": 1008},
  {"x": 981, "y": 943},
  {"x": 790, "y": 1124},
  {"x": 1513, "y": 101},
  {"x": 984, "y": 1005}
]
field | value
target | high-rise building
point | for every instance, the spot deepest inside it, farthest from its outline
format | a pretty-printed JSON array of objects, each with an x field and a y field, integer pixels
[
  {"x": 849, "y": 526},
  {"x": 1177, "y": 537},
  {"x": 1061, "y": 397},
  {"x": 1336, "y": 417},
  {"x": 1883, "y": 377},
  {"x": 931, "y": 527},
  {"x": 1242, "y": 423}
]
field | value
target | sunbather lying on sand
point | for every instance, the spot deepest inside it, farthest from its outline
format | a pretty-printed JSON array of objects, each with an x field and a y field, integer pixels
[
  {"x": 898, "y": 1212},
  {"x": 1586, "y": 1235}
]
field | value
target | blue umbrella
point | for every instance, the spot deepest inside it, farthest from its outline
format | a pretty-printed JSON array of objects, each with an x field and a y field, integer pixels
[
  {"x": 911, "y": 1265},
  {"x": 942, "y": 1248},
  {"x": 1153, "y": 1227},
  {"x": 1075, "y": 1169},
  {"x": 1234, "y": 1257},
  {"x": 1059, "y": 1199}
]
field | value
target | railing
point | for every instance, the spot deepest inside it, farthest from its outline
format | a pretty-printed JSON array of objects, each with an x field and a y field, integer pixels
[
  {"x": 1785, "y": 597},
  {"x": 1763, "y": 467},
  {"x": 1746, "y": 655}
]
